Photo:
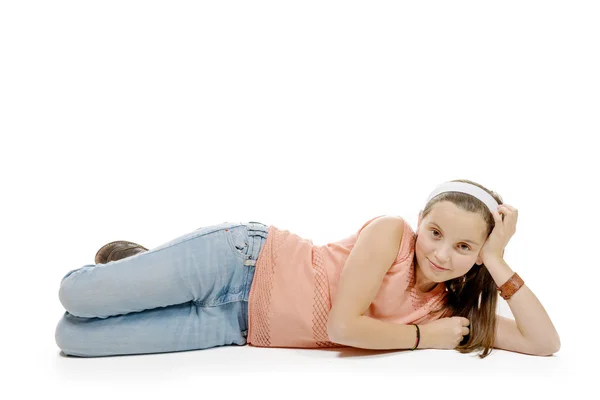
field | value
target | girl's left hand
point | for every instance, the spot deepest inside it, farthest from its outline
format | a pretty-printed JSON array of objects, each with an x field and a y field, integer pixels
[{"x": 493, "y": 247}]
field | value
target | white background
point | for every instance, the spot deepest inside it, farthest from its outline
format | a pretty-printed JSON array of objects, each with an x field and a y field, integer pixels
[{"x": 143, "y": 120}]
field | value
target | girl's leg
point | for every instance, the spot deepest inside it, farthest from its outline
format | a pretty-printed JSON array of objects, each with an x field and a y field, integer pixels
[
  {"x": 180, "y": 327},
  {"x": 193, "y": 267},
  {"x": 219, "y": 282}
]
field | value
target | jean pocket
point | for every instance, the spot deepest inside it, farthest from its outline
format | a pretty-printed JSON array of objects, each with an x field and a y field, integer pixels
[{"x": 237, "y": 237}]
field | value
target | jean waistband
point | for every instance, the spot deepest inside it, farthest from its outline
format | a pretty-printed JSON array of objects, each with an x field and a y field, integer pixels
[{"x": 257, "y": 228}]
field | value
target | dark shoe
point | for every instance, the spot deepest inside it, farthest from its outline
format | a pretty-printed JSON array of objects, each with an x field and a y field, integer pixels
[{"x": 117, "y": 250}]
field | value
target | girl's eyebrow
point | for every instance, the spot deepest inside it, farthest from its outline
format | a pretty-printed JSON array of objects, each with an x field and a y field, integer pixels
[{"x": 464, "y": 240}]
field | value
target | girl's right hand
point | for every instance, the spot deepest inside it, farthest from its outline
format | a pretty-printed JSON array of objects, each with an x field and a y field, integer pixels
[{"x": 443, "y": 333}]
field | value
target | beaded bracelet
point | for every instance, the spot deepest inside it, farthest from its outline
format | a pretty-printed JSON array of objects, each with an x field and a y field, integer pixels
[{"x": 418, "y": 336}]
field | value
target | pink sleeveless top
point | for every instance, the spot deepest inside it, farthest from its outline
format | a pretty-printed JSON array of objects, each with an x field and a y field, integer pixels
[{"x": 295, "y": 282}]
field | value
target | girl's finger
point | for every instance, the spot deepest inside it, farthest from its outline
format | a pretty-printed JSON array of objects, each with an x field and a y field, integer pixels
[{"x": 498, "y": 216}]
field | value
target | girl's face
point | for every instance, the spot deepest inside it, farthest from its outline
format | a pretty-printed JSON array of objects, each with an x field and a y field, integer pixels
[{"x": 451, "y": 238}]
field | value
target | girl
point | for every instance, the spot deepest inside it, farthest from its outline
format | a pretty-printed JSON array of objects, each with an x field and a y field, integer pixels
[{"x": 384, "y": 287}]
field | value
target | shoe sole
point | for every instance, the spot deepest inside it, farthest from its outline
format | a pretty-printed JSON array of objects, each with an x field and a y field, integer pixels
[{"x": 115, "y": 242}]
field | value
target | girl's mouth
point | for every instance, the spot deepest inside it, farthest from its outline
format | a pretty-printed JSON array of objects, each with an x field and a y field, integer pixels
[{"x": 436, "y": 268}]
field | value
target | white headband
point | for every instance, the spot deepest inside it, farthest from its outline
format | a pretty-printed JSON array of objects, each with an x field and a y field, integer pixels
[{"x": 467, "y": 188}]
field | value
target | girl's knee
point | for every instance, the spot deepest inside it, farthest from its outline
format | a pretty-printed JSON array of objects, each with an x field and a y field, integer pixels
[
  {"x": 70, "y": 337},
  {"x": 70, "y": 294},
  {"x": 63, "y": 336},
  {"x": 67, "y": 295}
]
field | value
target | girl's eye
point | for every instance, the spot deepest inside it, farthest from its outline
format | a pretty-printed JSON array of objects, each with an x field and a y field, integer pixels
[{"x": 464, "y": 245}]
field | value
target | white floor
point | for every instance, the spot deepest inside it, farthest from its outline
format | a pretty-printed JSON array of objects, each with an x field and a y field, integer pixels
[{"x": 251, "y": 372}]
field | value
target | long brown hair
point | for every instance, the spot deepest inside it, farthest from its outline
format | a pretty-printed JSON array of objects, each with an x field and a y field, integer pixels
[{"x": 473, "y": 295}]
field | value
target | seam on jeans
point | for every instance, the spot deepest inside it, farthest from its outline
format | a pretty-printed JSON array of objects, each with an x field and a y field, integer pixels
[
  {"x": 192, "y": 238},
  {"x": 205, "y": 305}
]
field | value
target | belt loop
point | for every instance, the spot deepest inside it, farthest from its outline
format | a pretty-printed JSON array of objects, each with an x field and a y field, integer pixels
[
  {"x": 252, "y": 244},
  {"x": 257, "y": 232}
]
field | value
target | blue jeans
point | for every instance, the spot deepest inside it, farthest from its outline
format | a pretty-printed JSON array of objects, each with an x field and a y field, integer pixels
[{"x": 188, "y": 294}]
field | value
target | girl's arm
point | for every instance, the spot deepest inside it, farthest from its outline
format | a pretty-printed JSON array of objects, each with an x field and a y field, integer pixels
[{"x": 531, "y": 318}]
